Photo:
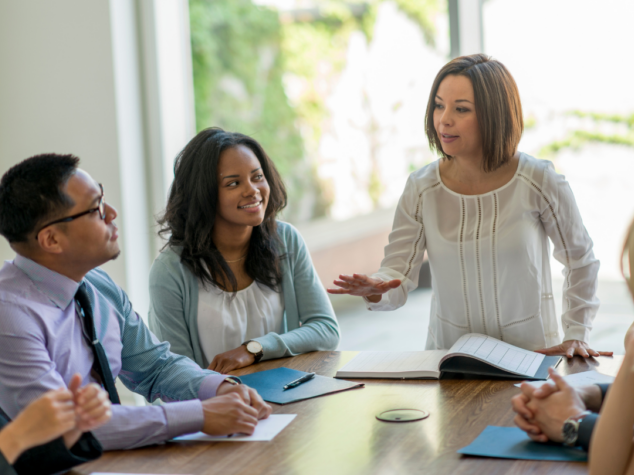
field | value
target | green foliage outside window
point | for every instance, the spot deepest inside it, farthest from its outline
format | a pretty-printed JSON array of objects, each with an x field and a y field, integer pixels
[
  {"x": 244, "y": 55},
  {"x": 578, "y": 138}
]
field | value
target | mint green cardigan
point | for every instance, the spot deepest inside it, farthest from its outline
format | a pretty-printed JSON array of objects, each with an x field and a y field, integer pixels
[{"x": 309, "y": 320}]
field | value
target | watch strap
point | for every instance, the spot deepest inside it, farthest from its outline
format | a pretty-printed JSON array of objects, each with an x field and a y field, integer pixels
[
  {"x": 584, "y": 432},
  {"x": 233, "y": 380}
]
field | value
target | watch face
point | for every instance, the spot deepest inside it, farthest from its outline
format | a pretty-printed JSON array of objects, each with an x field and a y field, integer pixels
[
  {"x": 570, "y": 431},
  {"x": 254, "y": 347}
]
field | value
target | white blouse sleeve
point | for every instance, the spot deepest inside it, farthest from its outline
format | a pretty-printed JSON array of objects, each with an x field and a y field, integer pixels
[
  {"x": 405, "y": 250},
  {"x": 573, "y": 248}
]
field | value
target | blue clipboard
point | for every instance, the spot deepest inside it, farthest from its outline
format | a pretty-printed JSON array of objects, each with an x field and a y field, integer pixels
[
  {"x": 269, "y": 384},
  {"x": 513, "y": 443}
]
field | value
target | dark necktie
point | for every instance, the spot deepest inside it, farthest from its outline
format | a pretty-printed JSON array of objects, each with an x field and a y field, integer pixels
[{"x": 100, "y": 364}]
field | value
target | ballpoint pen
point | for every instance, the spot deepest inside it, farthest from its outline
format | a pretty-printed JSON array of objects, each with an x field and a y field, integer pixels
[{"x": 297, "y": 382}]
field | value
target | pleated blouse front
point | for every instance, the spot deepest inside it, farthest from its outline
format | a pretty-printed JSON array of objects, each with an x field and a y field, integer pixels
[{"x": 489, "y": 257}]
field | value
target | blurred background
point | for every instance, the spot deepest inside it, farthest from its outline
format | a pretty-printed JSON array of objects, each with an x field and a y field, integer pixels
[{"x": 336, "y": 92}]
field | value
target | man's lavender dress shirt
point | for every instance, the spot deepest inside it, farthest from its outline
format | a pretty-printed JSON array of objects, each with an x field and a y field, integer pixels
[{"x": 42, "y": 346}]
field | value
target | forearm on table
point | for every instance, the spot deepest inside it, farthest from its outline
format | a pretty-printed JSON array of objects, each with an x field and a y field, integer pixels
[
  {"x": 592, "y": 397},
  {"x": 132, "y": 426},
  {"x": 313, "y": 336},
  {"x": 55, "y": 457},
  {"x": 611, "y": 445}
]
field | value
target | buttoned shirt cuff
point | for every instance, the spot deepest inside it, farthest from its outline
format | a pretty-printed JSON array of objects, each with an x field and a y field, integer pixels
[
  {"x": 383, "y": 304},
  {"x": 185, "y": 417},
  {"x": 577, "y": 332},
  {"x": 604, "y": 389},
  {"x": 210, "y": 385}
]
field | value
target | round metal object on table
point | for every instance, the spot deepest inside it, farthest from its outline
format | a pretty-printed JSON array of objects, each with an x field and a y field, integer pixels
[{"x": 402, "y": 415}]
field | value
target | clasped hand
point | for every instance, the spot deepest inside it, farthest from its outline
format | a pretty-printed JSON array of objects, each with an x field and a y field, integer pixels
[
  {"x": 61, "y": 412},
  {"x": 541, "y": 412},
  {"x": 235, "y": 409}
]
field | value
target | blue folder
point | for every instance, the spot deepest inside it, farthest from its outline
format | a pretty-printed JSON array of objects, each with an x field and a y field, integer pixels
[
  {"x": 513, "y": 443},
  {"x": 269, "y": 384}
]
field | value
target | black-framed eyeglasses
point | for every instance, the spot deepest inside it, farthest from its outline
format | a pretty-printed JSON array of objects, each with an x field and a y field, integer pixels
[{"x": 101, "y": 208}]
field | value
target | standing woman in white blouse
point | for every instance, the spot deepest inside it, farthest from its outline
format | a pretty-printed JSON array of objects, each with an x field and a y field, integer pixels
[
  {"x": 484, "y": 213},
  {"x": 234, "y": 285}
]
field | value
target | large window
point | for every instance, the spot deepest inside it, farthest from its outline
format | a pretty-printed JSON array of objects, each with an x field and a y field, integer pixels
[{"x": 336, "y": 93}]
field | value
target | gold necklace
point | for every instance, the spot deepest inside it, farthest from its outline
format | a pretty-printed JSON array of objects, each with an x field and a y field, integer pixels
[{"x": 229, "y": 262}]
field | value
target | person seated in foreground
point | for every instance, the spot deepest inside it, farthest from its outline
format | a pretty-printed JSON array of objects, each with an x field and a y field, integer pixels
[
  {"x": 234, "y": 285},
  {"x": 557, "y": 412},
  {"x": 60, "y": 315},
  {"x": 611, "y": 448},
  {"x": 52, "y": 433}
]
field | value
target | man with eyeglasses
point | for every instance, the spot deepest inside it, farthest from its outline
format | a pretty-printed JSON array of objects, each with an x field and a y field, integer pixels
[{"x": 60, "y": 314}]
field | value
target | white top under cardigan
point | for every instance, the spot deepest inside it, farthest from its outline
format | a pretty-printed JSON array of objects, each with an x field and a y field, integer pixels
[
  {"x": 489, "y": 258},
  {"x": 226, "y": 320}
]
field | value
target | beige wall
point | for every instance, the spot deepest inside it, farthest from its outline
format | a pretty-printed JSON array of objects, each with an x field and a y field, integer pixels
[
  {"x": 109, "y": 81},
  {"x": 57, "y": 90}
]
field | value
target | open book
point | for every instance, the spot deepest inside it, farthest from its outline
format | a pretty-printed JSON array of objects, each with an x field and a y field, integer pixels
[{"x": 471, "y": 354}]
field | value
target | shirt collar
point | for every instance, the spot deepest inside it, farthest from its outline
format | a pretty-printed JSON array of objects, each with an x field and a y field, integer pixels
[{"x": 58, "y": 288}]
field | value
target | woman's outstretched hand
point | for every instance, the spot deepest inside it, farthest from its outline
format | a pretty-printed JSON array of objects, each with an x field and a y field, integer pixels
[
  {"x": 363, "y": 286},
  {"x": 569, "y": 348}
]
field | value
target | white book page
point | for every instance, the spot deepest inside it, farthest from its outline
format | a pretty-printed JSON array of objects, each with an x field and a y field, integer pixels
[
  {"x": 265, "y": 431},
  {"x": 579, "y": 379},
  {"x": 394, "y": 361},
  {"x": 500, "y": 354}
]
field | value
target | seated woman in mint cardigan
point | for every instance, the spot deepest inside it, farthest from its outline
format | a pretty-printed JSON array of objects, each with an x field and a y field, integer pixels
[{"x": 233, "y": 285}]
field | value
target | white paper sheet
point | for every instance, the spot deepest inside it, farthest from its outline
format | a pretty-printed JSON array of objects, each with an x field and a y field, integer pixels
[
  {"x": 579, "y": 379},
  {"x": 266, "y": 430},
  {"x": 503, "y": 355}
]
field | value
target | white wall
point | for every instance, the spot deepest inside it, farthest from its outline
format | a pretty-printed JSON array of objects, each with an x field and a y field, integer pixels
[
  {"x": 72, "y": 80},
  {"x": 57, "y": 91}
]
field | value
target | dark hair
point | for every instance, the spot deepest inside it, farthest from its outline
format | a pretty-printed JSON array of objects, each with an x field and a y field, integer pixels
[
  {"x": 32, "y": 192},
  {"x": 497, "y": 103},
  {"x": 190, "y": 214}
]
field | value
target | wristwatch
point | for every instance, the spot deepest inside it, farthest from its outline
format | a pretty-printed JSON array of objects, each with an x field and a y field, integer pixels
[
  {"x": 570, "y": 429},
  {"x": 255, "y": 348},
  {"x": 232, "y": 380}
]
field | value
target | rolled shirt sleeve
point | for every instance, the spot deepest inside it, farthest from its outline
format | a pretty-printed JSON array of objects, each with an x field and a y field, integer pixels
[
  {"x": 573, "y": 248},
  {"x": 405, "y": 251}
]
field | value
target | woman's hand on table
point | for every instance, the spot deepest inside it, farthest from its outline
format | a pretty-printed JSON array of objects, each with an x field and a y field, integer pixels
[
  {"x": 232, "y": 359},
  {"x": 569, "y": 348},
  {"x": 361, "y": 285}
]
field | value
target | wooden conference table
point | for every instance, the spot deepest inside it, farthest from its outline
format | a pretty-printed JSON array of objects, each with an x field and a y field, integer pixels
[{"x": 339, "y": 434}]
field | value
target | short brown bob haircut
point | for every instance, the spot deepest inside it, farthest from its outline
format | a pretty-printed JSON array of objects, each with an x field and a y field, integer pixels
[{"x": 497, "y": 104}]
